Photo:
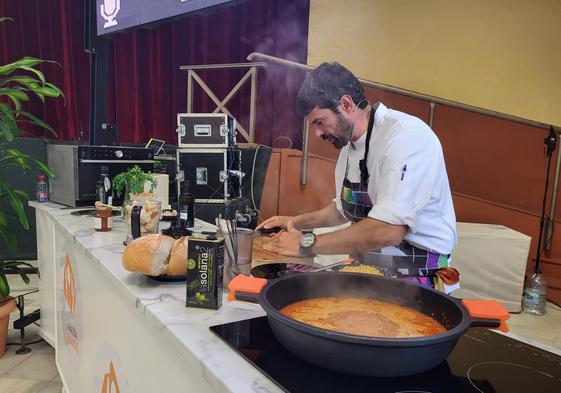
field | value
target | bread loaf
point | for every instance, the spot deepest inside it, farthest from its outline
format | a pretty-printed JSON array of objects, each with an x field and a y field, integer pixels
[
  {"x": 178, "y": 260},
  {"x": 148, "y": 254}
]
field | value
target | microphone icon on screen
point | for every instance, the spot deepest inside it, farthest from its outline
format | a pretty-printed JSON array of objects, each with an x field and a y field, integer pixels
[{"x": 109, "y": 10}]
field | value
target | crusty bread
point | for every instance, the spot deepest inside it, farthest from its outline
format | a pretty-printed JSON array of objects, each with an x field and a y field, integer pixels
[
  {"x": 178, "y": 261},
  {"x": 148, "y": 254}
]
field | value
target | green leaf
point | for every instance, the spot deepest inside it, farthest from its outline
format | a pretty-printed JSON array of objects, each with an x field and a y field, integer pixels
[
  {"x": 15, "y": 265},
  {"x": 35, "y": 120},
  {"x": 36, "y": 72},
  {"x": 9, "y": 137},
  {"x": 7, "y": 113},
  {"x": 14, "y": 93},
  {"x": 4, "y": 286},
  {"x": 47, "y": 91},
  {"x": 23, "y": 194},
  {"x": 6, "y": 130},
  {"x": 55, "y": 88},
  {"x": 9, "y": 239},
  {"x": 43, "y": 168},
  {"x": 18, "y": 158},
  {"x": 24, "y": 277},
  {"x": 15, "y": 202},
  {"x": 29, "y": 61},
  {"x": 21, "y": 80}
]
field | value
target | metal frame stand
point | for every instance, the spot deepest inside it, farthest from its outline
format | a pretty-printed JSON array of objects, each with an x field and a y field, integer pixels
[{"x": 23, "y": 322}]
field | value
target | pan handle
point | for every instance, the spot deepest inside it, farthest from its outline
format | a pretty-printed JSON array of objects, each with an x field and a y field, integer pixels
[
  {"x": 487, "y": 313},
  {"x": 245, "y": 288}
]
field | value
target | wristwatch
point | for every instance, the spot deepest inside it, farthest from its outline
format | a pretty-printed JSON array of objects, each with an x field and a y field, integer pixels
[{"x": 307, "y": 241}]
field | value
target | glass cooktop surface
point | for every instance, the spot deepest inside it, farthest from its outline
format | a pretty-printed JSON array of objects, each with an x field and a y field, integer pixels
[{"x": 482, "y": 361}]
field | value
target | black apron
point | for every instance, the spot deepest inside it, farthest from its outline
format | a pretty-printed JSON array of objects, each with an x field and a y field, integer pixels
[{"x": 404, "y": 260}]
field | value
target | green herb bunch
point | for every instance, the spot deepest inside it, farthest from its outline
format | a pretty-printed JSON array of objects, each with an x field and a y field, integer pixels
[{"x": 132, "y": 181}]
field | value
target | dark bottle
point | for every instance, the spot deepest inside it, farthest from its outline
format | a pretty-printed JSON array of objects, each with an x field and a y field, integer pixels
[
  {"x": 186, "y": 206},
  {"x": 103, "y": 187}
]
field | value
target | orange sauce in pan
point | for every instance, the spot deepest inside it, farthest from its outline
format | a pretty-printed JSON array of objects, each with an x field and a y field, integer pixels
[{"x": 364, "y": 317}]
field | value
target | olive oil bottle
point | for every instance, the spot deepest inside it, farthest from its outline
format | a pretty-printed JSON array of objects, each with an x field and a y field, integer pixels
[{"x": 186, "y": 206}]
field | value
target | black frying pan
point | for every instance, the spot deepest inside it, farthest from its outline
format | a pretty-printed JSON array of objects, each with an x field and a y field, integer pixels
[{"x": 361, "y": 355}]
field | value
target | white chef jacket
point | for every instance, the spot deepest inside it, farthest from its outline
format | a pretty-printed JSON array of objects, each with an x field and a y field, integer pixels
[{"x": 407, "y": 184}]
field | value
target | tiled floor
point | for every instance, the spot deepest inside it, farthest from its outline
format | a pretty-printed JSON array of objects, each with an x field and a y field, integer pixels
[{"x": 36, "y": 372}]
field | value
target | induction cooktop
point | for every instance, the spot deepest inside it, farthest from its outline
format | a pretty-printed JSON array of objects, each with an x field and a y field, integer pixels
[{"x": 482, "y": 361}]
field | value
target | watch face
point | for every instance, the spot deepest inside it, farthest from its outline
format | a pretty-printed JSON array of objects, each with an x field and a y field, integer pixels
[{"x": 307, "y": 240}]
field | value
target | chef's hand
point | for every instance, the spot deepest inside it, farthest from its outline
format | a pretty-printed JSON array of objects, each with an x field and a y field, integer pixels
[
  {"x": 285, "y": 242},
  {"x": 275, "y": 221}
]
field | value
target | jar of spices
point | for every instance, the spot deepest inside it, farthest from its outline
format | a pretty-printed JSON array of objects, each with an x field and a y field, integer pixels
[{"x": 103, "y": 217}]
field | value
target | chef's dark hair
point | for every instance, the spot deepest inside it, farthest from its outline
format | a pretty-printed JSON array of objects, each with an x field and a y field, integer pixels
[{"x": 325, "y": 85}]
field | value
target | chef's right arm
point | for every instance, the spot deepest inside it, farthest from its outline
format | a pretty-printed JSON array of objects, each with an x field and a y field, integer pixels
[{"x": 325, "y": 217}]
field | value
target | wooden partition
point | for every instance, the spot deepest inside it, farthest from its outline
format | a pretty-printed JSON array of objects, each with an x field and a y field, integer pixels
[
  {"x": 496, "y": 170},
  {"x": 284, "y": 195}
]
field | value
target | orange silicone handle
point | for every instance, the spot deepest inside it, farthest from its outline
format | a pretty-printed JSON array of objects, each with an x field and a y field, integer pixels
[
  {"x": 242, "y": 283},
  {"x": 489, "y": 309}
]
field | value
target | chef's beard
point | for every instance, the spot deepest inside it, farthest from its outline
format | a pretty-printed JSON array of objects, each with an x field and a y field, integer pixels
[{"x": 343, "y": 132}]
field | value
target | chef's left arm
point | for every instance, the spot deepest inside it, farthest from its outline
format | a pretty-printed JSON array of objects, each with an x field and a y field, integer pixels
[{"x": 368, "y": 234}]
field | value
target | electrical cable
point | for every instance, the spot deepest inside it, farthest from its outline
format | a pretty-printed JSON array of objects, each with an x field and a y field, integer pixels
[
  {"x": 550, "y": 238},
  {"x": 253, "y": 178},
  {"x": 206, "y": 184},
  {"x": 284, "y": 137},
  {"x": 208, "y": 199},
  {"x": 550, "y": 142}
]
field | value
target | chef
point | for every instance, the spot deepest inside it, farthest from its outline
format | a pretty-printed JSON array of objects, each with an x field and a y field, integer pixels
[{"x": 391, "y": 184}]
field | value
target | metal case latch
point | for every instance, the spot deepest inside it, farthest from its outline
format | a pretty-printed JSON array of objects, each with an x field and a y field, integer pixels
[
  {"x": 224, "y": 130},
  {"x": 181, "y": 130},
  {"x": 223, "y": 175}
]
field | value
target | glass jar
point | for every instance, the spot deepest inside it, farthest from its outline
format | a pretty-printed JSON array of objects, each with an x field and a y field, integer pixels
[
  {"x": 146, "y": 221},
  {"x": 103, "y": 218}
]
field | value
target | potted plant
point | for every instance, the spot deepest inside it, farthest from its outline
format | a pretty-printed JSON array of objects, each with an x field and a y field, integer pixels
[
  {"x": 132, "y": 182},
  {"x": 8, "y": 304},
  {"x": 18, "y": 81}
]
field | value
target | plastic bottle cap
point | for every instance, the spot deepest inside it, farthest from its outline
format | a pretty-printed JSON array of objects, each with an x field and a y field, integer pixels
[{"x": 41, "y": 177}]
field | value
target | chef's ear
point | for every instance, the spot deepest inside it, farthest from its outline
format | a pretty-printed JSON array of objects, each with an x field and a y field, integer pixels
[{"x": 347, "y": 103}]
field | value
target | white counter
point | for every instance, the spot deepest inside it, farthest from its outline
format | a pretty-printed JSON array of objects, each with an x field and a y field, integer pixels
[
  {"x": 113, "y": 325},
  {"x": 109, "y": 325}
]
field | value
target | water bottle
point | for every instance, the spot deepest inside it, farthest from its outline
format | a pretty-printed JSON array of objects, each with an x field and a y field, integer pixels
[
  {"x": 534, "y": 297},
  {"x": 42, "y": 194}
]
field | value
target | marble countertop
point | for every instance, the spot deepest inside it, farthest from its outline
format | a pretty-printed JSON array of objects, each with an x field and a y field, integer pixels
[{"x": 163, "y": 305}]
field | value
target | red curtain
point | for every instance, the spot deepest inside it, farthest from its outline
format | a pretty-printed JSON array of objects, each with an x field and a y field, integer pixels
[
  {"x": 51, "y": 30},
  {"x": 146, "y": 89}
]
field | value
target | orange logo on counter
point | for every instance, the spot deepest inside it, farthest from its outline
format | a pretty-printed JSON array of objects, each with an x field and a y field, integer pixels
[
  {"x": 110, "y": 384},
  {"x": 69, "y": 286},
  {"x": 69, "y": 310}
]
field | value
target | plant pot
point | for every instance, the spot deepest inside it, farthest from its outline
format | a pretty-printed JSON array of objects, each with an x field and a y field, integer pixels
[{"x": 6, "y": 309}]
